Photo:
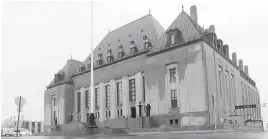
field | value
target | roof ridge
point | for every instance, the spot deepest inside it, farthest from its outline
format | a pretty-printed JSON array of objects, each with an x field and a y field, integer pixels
[
  {"x": 129, "y": 23},
  {"x": 75, "y": 60}
]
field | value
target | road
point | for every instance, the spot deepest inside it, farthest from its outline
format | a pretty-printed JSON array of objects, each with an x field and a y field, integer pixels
[{"x": 236, "y": 135}]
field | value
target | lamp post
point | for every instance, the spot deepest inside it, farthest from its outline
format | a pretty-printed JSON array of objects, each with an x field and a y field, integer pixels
[{"x": 140, "y": 115}]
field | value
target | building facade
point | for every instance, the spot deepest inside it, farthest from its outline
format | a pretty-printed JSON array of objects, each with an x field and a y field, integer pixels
[
  {"x": 184, "y": 73},
  {"x": 34, "y": 127}
]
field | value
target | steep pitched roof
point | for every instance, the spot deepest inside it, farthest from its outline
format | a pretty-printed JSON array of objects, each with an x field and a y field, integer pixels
[
  {"x": 68, "y": 70},
  {"x": 144, "y": 26},
  {"x": 190, "y": 31}
]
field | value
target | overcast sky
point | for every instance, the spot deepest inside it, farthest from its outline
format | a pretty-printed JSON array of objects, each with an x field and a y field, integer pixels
[{"x": 39, "y": 37}]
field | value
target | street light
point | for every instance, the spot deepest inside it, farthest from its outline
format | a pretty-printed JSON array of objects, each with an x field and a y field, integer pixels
[{"x": 140, "y": 115}]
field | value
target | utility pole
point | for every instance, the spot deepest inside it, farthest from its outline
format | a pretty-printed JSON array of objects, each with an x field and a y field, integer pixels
[{"x": 18, "y": 117}]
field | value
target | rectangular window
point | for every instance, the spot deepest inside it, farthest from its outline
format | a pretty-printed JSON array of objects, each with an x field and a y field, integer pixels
[
  {"x": 172, "y": 39},
  {"x": 97, "y": 98},
  {"x": 87, "y": 99},
  {"x": 39, "y": 127},
  {"x": 54, "y": 115},
  {"x": 173, "y": 99},
  {"x": 119, "y": 93},
  {"x": 143, "y": 81},
  {"x": 172, "y": 73},
  {"x": 33, "y": 127},
  {"x": 220, "y": 82},
  {"x": 107, "y": 96},
  {"x": 132, "y": 90},
  {"x": 78, "y": 102},
  {"x": 54, "y": 100},
  {"x": 87, "y": 117},
  {"x": 121, "y": 112}
]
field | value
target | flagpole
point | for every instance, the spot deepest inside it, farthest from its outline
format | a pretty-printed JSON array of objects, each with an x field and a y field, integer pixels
[{"x": 91, "y": 62}]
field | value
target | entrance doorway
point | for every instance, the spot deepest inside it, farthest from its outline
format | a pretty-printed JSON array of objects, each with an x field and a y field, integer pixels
[{"x": 133, "y": 112}]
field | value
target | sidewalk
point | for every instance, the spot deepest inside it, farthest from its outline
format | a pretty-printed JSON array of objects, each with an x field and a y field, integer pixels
[{"x": 180, "y": 132}]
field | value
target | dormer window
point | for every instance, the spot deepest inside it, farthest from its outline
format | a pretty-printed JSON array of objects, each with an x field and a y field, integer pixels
[
  {"x": 99, "y": 60},
  {"x": 147, "y": 45},
  {"x": 121, "y": 53},
  {"x": 82, "y": 68},
  {"x": 110, "y": 57},
  {"x": 174, "y": 37},
  {"x": 59, "y": 77},
  {"x": 134, "y": 50}
]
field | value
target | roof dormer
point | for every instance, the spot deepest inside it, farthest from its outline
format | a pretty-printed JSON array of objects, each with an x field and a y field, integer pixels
[
  {"x": 110, "y": 57},
  {"x": 99, "y": 60},
  {"x": 121, "y": 52},
  {"x": 81, "y": 68},
  {"x": 59, "y": 77},
  {"x": 147, "y": 44},
  {"x": 174, "y": 37},
  {"x": 133, "y": 47}
]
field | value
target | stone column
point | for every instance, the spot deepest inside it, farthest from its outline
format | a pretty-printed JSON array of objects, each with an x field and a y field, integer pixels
[
  {"x": 102, "y": 101},
  {"x": 83, "y": 107},
  {"x": 30, "y": 126},
  {"x": 92, "y": 100},
  {"x": 36, "y": 127},
  {"x": 113, "y": 98},
  {"x": 139, "y": 91},
  {"x": 75, "y": 106},
  {"x": 42, "y": 127},
  {"x": 125, "y": 92}
]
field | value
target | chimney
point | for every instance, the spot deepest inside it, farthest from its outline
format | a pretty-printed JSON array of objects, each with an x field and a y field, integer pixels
[
  {"x": 246, "y": 69},
  {"x": 234, "y": 59},
  {"x": 241, "y": 64},
  {"x": 226, "y": 50},
  {"x": 212, "y": 28},
  {"x": 193, "y": 11}
]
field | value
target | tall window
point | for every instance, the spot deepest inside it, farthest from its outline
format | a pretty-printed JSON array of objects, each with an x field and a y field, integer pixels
[
  {"x": 172, "y": 73},
  {"x": 220, "y": 81},
  {"x": 39, "y": 127},
  {"x": 78, "y": 102},
  {"x": 97, "y": 94},
  {"x": 173, "y": 99},
  {"x": 132, "y": 90},
  {"x": 54, "y": 116},
  {"x": 107, "y": 96},
  {"x": 172, "y": 39},
  {"x": 119, "y": 93},
  {"x": 87, "y": 99},
  {"x": 54, "y": 100}
]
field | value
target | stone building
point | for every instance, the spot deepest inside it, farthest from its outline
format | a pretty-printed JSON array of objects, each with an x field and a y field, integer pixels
[{"x": 185, "y": 73}]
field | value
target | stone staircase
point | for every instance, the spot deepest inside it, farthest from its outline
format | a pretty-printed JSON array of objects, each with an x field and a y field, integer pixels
[{"x": 81, "y": 129}]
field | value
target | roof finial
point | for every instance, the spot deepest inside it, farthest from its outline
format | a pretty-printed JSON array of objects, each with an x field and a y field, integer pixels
[
  {"x": 71, "y": 57},
  {"x": 108, "y": 31},
  {"x": 149, "y": 11},
  {"x": 182, "y": 8}
]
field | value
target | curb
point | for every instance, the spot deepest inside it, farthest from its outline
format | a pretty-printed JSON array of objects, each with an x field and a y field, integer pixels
[{"x": 178, "y": 132}]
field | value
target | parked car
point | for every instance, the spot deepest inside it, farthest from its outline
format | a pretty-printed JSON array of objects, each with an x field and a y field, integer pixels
[
  {"x": 25, "y": 132},
  {"x": 8, "y": 131},
  {"x": 15, "y": 131}
]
